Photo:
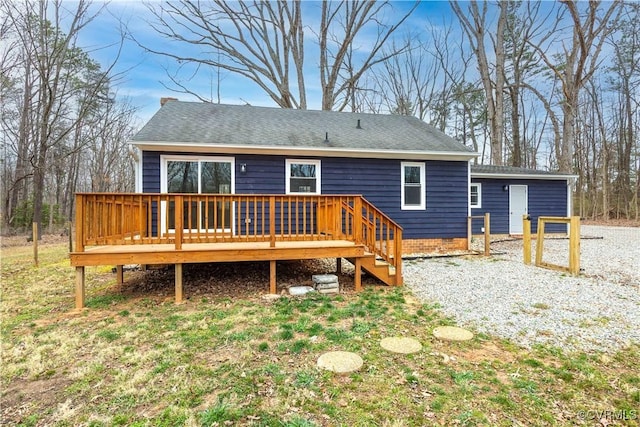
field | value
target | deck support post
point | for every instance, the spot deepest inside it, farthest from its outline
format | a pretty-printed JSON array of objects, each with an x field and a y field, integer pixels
[
  {"x": 178, "y": 280},
  {"x": 357, "y": 277},
  {"x": 272, "y": 276},
  {"x": 80, "y": 290},
  {"x": 119, "y": 275},
  {"x": 338, "y": 265}
]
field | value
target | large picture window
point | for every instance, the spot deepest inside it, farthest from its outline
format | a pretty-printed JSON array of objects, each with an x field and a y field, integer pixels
[
  {"x": 303, "y": 176},
  {"x": 413, "y": 186},
  {"x": 206, "y": 175}
]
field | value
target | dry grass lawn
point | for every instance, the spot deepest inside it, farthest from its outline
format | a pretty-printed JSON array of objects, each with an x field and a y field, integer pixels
[{"x": 229, "y": 357}]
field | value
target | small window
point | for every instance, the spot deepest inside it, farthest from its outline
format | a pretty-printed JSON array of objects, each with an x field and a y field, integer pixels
[
  {"x": 475, "y": 195},
  {"x": 413, "y": 186},
  {"x": 303, "y": 176}
]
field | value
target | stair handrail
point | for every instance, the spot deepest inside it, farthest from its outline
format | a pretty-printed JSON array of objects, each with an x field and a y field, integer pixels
[{"x": 390, "y": 249}]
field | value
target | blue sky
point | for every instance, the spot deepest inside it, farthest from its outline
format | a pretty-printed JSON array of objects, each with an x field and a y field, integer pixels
[{"x": 143, "y": 74}]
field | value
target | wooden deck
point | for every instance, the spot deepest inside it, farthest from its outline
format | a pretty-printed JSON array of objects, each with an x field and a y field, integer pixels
[{"x": 119, "y": 229}]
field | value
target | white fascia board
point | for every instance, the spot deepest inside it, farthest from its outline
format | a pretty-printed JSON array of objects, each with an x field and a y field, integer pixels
[
  {"x": 303, "y": 151},
  {"x": 524, "y": 176}
]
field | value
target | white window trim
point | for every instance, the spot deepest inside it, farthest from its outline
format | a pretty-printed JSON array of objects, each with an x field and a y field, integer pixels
[
  {"x": 479, "y": 204},
  {"x": 167, "y": 158},
  {"x": 186, "y": 158},
  {"x": 423, "y": 186},
  {"x": 137, "y": 155},
  {"x": 287, "y": 174}
]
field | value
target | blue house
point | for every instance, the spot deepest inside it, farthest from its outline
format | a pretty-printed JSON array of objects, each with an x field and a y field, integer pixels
[
  {"x": 508, "y": 193},
  {"x": 230, "y": 183},
  {"x": 412, "y": 172}
]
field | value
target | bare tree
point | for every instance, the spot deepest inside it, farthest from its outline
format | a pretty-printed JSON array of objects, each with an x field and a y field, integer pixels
[
  {"x": 421, "y": 81},
  {"x": 579, "y": 61},
  {"x": 107, "y": 156},
  {"x": 264, "y": 42},
  {"x": 261, "y": 41},
  {"x": 57, "y": 86},
  {"x": 625, "y": 76},
  {"x": 522, "y": 65},
  {"x": 474, "y": 23}
]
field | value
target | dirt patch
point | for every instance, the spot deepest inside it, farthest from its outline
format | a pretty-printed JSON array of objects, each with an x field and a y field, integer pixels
[
  {"x": 22, "y": 397},
  {"x": 231, "y": 280},
  {"x": 488, "y": 352},
  {"x": 47, "y": 239}
]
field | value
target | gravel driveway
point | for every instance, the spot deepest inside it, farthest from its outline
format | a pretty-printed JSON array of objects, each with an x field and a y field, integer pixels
[{"x": 499, "y": 295}]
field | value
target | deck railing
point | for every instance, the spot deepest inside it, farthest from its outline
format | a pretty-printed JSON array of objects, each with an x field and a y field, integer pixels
[{"x": 143, "y": 218}]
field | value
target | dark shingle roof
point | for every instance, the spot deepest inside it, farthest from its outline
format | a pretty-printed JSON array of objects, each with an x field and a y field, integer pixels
[
  {"x": 203, "y": 124},
  {"x": 510, "y": 170}
]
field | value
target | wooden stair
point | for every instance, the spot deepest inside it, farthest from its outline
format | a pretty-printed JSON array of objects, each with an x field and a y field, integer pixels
[{"x": 379, "y": 268}]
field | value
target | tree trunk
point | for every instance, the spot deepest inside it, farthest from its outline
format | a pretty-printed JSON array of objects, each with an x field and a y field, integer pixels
[
  {"x": 474, "y": 27},
  {"x": 516, "y": 159}
]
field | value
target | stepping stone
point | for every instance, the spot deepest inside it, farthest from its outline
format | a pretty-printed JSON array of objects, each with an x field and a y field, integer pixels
[
  {"x": 452, "y": 333},
  {"x": 342, "y": 362},
  {"x": 401, "y": 345}
]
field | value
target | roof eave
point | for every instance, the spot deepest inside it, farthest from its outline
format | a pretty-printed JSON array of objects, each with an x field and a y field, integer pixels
[
  {"x": 184, "y": 147},
  {"x": 554, "y": 177}
]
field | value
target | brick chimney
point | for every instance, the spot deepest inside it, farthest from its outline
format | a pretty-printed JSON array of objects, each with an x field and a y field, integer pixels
[{"x": 165, "y": 100}]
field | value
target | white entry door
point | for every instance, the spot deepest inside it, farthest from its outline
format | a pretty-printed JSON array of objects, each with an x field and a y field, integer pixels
[{"x": 518, "y": 203}]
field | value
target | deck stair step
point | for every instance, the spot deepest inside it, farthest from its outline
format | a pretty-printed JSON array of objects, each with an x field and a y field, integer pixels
[{"x": 379, "y": 269}]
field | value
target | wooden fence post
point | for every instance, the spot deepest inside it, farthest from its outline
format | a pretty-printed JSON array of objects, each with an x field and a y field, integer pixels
[
  {"x": 574, "y": 245},
  {"x": 70, "y": 225},
  {"x": 35, "y": 243},
  {"x": 526, "y": 238},
  {"x": 487, "y": 234},
  {"x": 539, "y": 242}
]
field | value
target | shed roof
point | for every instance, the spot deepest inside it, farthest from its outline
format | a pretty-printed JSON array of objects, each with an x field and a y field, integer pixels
[{"x": 200, "y": 127}]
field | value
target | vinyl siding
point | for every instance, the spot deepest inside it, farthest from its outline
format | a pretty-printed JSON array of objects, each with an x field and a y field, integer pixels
[
  {"x": 545, "y": 198},
  {"x": 378, "y": 180},
  {"x": 150, "y": 172}
]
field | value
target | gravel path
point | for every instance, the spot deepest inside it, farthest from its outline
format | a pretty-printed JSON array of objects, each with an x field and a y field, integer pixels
[{"x": 599, "y": 310}]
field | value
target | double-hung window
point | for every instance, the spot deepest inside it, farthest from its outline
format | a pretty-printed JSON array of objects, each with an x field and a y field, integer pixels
[
  {"x": 475, "y": 195},
  {"x": 303, "y": 176},
  {"x": 413, "y": 186}
]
